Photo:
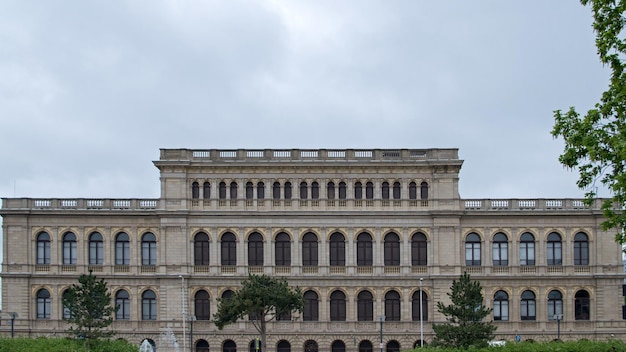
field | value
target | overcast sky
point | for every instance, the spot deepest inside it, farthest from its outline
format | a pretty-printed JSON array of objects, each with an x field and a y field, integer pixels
[{"x": 90, "y": 90}]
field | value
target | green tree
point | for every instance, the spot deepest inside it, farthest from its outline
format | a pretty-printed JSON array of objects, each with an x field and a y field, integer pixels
[
  {"x": 88, "y": 308},
  {"x": 464, "y": 326},
  {"x": 596, "y": 143},
  {"x": 262, "y": 299}
]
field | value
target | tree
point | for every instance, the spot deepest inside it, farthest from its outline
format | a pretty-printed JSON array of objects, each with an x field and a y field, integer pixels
[
  {"x": 87, "y": 307},
  {"x": 262, "y": 299},
  {"x": 464, "y": 326},
  {"x": 596, "y": 143}
]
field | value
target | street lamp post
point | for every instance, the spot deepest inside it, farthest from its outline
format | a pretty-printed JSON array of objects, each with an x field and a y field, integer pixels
[
  {"x": 421, "y": 315},
  {"x": 192, "y": 318},
  {"x": 558, "y": 318},
  {"x": 182, "y": 291},
  {"x": 381, "y": 318}
]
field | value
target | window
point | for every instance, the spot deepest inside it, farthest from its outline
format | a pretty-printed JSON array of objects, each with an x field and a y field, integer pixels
[
  {"x": 342, "y": 190},
  {"x": 364, "y": 255},
  {"x": 417, "y": 308},
  {"x": 43, "y": 304},
  {"x": 260, "y": 190},
  {"x": 310, "y": 311},
  {"x": 201, "y": 249},
  {"x": 222, "y": 190},
  {"x": 555, "y": 304},
  {"x": 96, "y": 249},
  {"x": 309, "y": 249},
  {"x": 338, "y": 346},
  {"x": 358, "y": 191},
  {"x": 287, "y": 190},
  {"x": 69, "y": 249},
  {"x": 330, "y": 190},
  {"x": 369, "y": 190},
  {"x": 581, "y": 305},
  {"x": 43, "y": 248},
  {"x": 419, "y": 251},
  {"x": 206, "y": 190},
  {"x": 255, "y": 249},
  {"x": 366, "y": 346},
  {"x": 412, "y": 191},
  {"x": 249, "y": 190},
  {"x": 396, "y": 190},
  {"x": 202, "y": 346},
  {"x": 195, "y": 190},
  {"x": 233, "y": 190},
  {"x": 392, "y": 306},
  {"x": 304, "y": 191},
  {"x": 66, "y": 311},
  {"x": 392, "y": 250},
  {"x": 122, "y": 301},
  {"x": 554, "y": 250},
  {"x": 276, "y": 191},
  {"x": 528, "y": 306},
  {"x": 283, "y": 346},
  {"x": 424, "y": 190},
  {"x": 472, "y": 250},
  {"x": 337, "y": 306},
  {"x": 202, "y": 305},
  {"x": 148, "y": 305},
  {"x": 148, "y": 249},
  {"x": 365, "y": 306},
  {"x": 229, "y": 249},
  {"x": 283, "y": 249},
  {"x": 310, "y": 346},
  {"x": 229, "y": 346},
  {"x": 500, "y": 250},
  {"x": 315, "y": 190},
  {"x": 122, "y": 249},
  {"x": 385, "y": 190},
  {"x": 501, "y": 306},
  {"x": 581, "y": 249},
  {"x": 527, "y": 249},
  {"x": 393, "y": 346},
  {"x": 337, "y": 250}
]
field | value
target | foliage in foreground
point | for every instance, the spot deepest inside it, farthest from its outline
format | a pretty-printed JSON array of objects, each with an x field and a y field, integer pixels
[
  {"x": 527, "y": 346},
  {"x": 23, "y": 344}
]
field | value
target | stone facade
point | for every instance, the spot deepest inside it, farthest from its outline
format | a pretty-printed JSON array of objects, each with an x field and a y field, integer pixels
[{"x": 359, "y": 231}]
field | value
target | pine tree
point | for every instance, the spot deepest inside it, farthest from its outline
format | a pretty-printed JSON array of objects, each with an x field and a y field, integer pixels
[{"x": 464, "y": 326}]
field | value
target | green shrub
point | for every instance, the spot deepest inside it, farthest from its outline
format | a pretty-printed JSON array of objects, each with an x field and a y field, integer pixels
[{"x": 23, "y": 344}]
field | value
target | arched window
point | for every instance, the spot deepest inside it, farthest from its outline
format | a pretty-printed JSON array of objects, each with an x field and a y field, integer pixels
[
  {"x": 330, "y": 190},
  {"x": 472, "y": 250},
  {"x": 337, "y": 306},
  {"x": 260, "y": 190},
  {"x": 315, "y": 190},
  {"x": 364, "y": 256},
  {"x": 500, "y": 250},
  {"x": 222, "y": 190},
  {"x": 338, "y": 346},
  {"x": 202, "y": 305},
  {"x": 43, "y": 304},
  {"x": 66, "y": 311},
  {"x": 527, "y": 250},
  {"x": 69, "y": 249},
  {"x": 581, "y": 249},
  {"x": 233, "y": 190},
  {"x": 122, "y": 301},
  {"x": 369, "y": 190},
  {"x": 528, "y": 306},
  {"x": 366, "y": 346},
  {"x": 555, "y": 249},
  {"x": 203, "y": 346},
  {"x": 148, "y": 305},
  {"x": 201, "y": 249},
  {"x": 385, "y": 190},
  {"x": 229, "y": 346},
  {"x": 96, "y": 249},
  {"x": 342, "y": 190},
  {"x": 206, "y": 190},
  {"x": 283, "y": 346},
  {"x": 283, "y": 249},
  {"x": 229, "y": 249},
  {"x": 255, "y": 249},
  {"x": 358, "y": 191},
  {"x": 309, "y": 249},
  {"x": 392, "y": 306},
  {"x": 310, "y": 346},
  {"x": 195, "y": 190},
  {"x": 365, "y": 306},
  {"x": 424, "y": 190},
  {"x": 249, "y": 190},
  {"x": 255, "y": 345},
  {"x": 392, "y": 249},
  {"x": 122, "y": 249},
  {"x": 148, "y": 249},
  {"x": 310, "y": 311},
  {"x": 43, "y": 248},
  {"x": 304, "y": 190},
  {"x": 501, "y": 306},
  {"x": 419, "y": 249},
  {"x": 393, "y": 346},
  {"x": 555, "y": 304},
  {"x": 581, "y": 305},
  {"x": 396, "y": 190},
  {"x": 276, "y": 191},
  {"x": 417, "y": 308},
  {"x": 287, "y": 190},
  {"x": 412, "y": 191},
  {"x": 337, "y": 250},
  {"x": 227, "y": 294}
]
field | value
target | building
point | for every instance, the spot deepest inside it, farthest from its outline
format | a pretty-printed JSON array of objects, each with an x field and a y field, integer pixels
[{"x": 364, "y": 233}]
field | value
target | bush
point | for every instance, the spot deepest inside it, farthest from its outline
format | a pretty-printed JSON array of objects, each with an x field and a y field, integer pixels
[{"x": 23, "y": 344}]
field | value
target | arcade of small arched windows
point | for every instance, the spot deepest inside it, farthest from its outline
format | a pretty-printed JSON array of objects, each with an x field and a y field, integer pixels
[{"x": 338, "y": 345}]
